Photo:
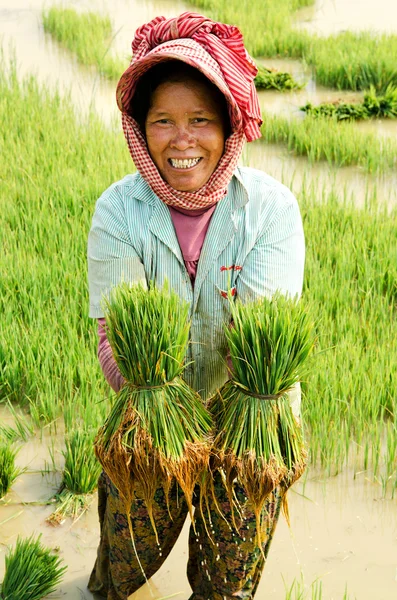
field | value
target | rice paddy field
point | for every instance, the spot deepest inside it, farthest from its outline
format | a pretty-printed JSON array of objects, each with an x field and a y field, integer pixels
[{"x": 61, "y": 145}]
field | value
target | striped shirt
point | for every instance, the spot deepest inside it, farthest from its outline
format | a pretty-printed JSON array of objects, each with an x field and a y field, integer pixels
[{"x": 254, "y": 246}]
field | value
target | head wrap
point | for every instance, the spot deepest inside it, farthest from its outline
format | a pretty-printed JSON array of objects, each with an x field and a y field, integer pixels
[{"x": 217, "y": 50}]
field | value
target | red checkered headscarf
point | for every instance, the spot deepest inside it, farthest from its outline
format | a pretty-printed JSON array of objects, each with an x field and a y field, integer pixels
[{"x": 217, "y": 50}]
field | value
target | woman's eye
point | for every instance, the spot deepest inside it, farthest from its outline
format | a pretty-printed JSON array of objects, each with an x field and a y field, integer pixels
[{"x": 200, "y": 120}]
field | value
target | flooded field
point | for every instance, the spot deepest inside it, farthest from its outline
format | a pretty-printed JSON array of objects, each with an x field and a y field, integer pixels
[
  {"x": 342, "y": 532},
  {"x": 326, "y": 17},
  {"x": 344, "y": 527}
]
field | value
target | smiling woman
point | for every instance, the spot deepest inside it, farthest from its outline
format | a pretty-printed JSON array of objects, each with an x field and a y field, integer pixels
[
  {"x": 191, "y": 217},
  {"x": 185, "y": 126}
]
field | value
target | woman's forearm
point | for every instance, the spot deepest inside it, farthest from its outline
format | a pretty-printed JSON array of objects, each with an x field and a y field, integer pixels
[{"x": 106, "y": 359}]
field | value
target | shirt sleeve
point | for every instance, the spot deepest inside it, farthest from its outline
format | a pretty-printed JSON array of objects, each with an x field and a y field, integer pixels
[
  {"x": 106, "y": 359},
  {"x": 276, "y": 262},
  {"x": 111, "y": 256}
]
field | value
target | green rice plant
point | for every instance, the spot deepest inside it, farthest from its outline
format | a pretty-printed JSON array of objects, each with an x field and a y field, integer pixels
[
  {"x": 346, "y": 60},
  {"x": 298, "y": 590},
  {"x": 156, "y": 431},
  {"x": 350, "y": 279},
  {"x": 268, "y": 79},
  {"x": 48, "y": 343},
  {"x": 340, "y": 111},
  {"x": 8, "y": 471},
  {"x": 88, "y": 35},
  {"x": 381, "y": 105},
  {"x": 32, "y": 571},
  {"x": 21, "y": 430},
  {"x": 373, "y": 106},
  {"x": 80, "y": 476},
  {"x": 354, "y": 60},
  {"x": 340, "y": 144},
  {"x": 258, "y": 441}
]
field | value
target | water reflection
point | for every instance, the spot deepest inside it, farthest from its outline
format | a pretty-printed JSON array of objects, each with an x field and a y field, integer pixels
[
  {"x": 341, "y": 531},
  {"x": 349, "y": 182},
  {"x": 326, "y": 17}
]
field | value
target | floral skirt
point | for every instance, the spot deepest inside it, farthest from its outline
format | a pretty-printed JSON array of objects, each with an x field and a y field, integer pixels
[{"x": 224, "y": 563}]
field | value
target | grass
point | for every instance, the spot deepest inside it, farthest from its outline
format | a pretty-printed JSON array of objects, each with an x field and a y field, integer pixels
[
  {"x": 54, "y": 168},
  {"x": 21, "y": 430},
  {"x": 374, "y": 106},
  {"x": 318, "y": 140},
  {"x": 80, "y": 475},
  {"x": 298, "y": 590},
  {"x": 345, "y": 61},
  {"x": 156, "y": 431},
  {"x": 8, "y": 471},
  {"x": 352, "y": 278},
  {"x": 338, "y": 143},
  {"x": 271, "y": 79},
  {"x": 32, "y": 571},
  {"x": 258, "y": 440},
  {"x": 88, "y": 35}
]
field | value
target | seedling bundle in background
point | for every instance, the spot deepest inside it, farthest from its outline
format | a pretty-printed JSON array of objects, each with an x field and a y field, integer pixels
[
  {"x": 8, "y": 470},
  {"x": 156, "y": 431},
  {"x": 32, "y": 571},
  {"x": 258, "y": 440},
  {"x": 80, "y": 476}
]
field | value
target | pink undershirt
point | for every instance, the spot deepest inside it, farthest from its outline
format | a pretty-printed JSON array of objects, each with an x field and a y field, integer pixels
[{"x": 191, "y": 227}]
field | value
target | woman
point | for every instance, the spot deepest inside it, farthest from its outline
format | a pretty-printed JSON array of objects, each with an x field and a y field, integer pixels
[{"x": 192, "y": 216}]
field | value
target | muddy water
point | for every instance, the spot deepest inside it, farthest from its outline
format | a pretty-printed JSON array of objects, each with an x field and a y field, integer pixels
[
  {"x": 21, "y": 31},
  {"x": 294, "y": 171},
  {"x": 326, "y": 17},
  {"x": 342, "y": 533}
]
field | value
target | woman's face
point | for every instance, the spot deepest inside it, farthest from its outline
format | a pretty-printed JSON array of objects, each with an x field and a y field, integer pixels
[{"x": 185, "y": 134}]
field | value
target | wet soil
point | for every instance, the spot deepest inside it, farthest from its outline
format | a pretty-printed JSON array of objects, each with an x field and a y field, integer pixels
[
  {"x": 326, "y": 17},
  {"x": 342, "y": 532}
]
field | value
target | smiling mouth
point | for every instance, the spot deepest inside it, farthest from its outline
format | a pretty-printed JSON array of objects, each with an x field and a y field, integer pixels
[{"x": 185, "y": 163}]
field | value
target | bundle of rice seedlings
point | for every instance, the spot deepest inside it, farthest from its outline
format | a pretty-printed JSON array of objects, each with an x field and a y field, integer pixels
[
  {"x": 267, "y": 79},
  {"x": 32, "y": 571},
  {"x": 156, "y": 432},
  {"x": 8, "y": 471},
  {"x": 80, "y": 476},
  {"x": 259, "y": 442}
]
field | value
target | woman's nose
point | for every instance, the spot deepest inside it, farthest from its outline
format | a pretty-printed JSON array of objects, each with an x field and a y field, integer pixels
[{"x": 182, "y": 139}]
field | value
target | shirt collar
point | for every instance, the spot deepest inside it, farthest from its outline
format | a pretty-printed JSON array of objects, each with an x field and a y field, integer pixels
[{"x": 237, "y": 191}]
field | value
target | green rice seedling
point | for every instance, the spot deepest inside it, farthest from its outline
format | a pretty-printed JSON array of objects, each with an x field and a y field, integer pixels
[
  {"x": 381, "y": 105},
  {"x": 347, "y": 60},
  {"x": 340, "y": 144},
  {"x": 354, "y": 60},
  {"x": 88, "y": 35},
  {"x": 340, "y": 111},
  {"x": 21, "y": 430},
  {"x": 258, "y": 441},
  {"x": 156, "y": 431},
  {"x": 48, "y": 194},
  {"x": 80, "y": 476},
  {"x": 32, "y": 571},
  {"x": 268, "y": 79},
  {"x": 8, "y": 471},
  {"x": 373, "y": 106}
]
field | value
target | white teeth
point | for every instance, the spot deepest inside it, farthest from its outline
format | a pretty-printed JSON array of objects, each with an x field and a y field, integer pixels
[{"x": 184, "y": 164}]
